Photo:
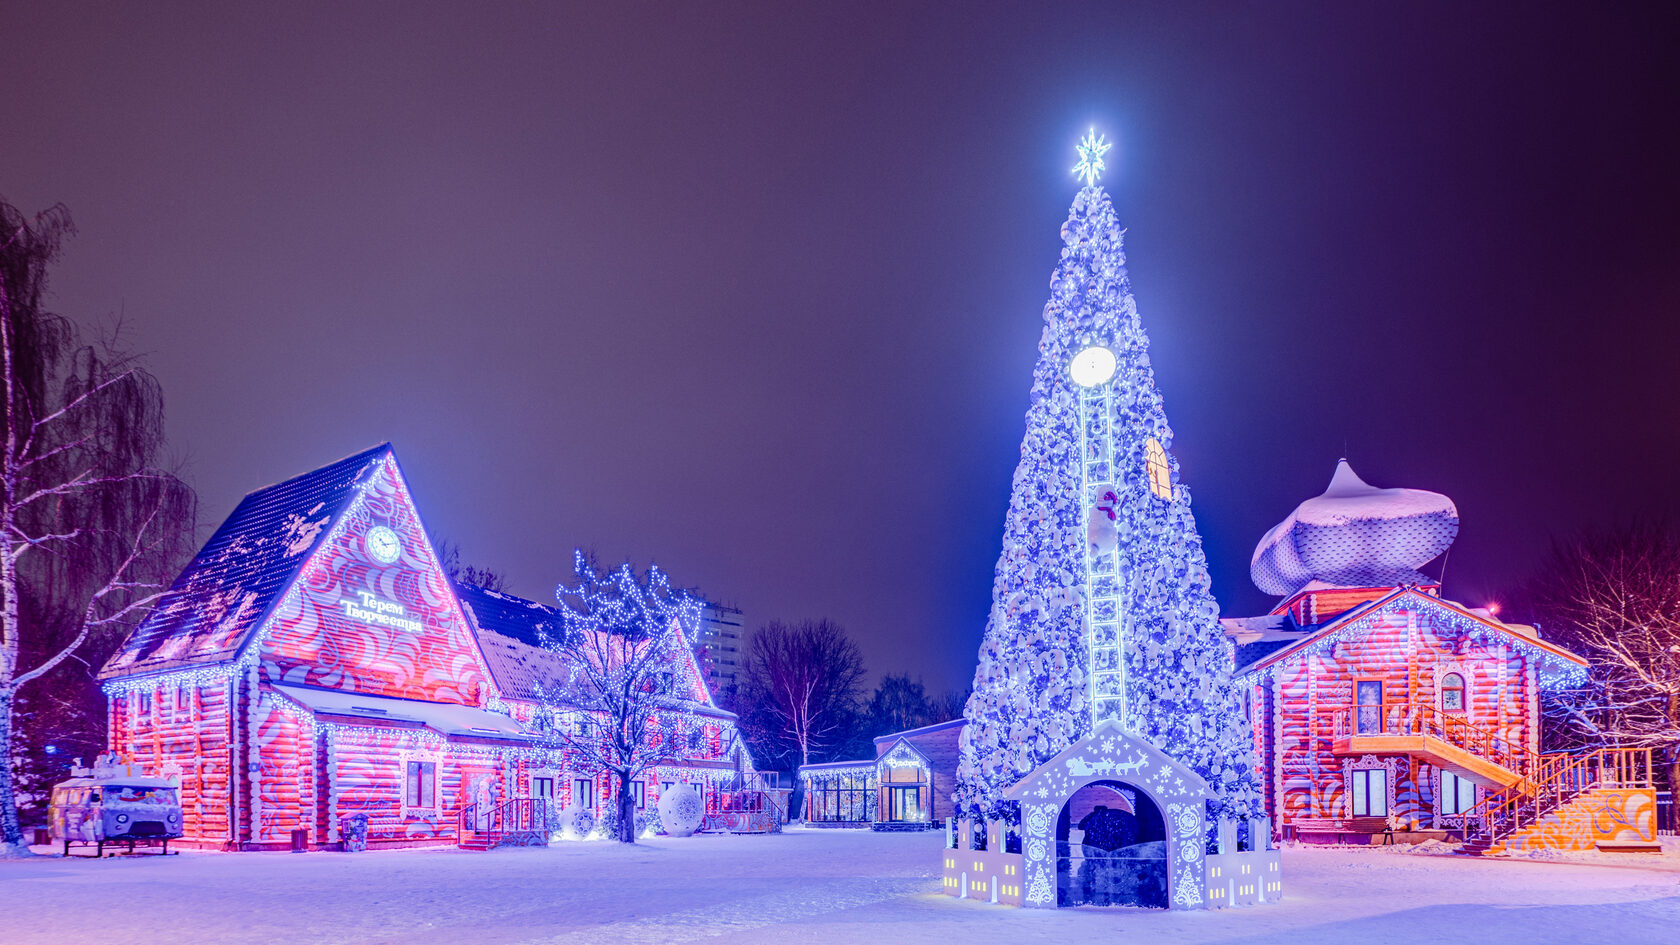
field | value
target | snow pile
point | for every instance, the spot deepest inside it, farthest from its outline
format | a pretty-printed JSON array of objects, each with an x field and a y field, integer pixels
[{"x": 813, "y": 887}]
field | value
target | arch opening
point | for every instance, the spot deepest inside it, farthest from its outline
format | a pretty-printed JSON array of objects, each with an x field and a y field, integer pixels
[{"x": 1111, "y": 848}]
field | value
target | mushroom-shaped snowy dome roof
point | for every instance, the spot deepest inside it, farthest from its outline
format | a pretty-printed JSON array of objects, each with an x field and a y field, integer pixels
[{"x": 1355, "y": 535}]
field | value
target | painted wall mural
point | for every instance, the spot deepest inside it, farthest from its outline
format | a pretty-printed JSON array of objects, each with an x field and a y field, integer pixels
[{"x": 357, "y": 623}]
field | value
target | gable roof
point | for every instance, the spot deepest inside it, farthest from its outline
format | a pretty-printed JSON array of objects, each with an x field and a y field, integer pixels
[
  {"x": 512, "y": 632},
  {"x": 236, "y": 579},
  {"x": 1408, "y": 596}
]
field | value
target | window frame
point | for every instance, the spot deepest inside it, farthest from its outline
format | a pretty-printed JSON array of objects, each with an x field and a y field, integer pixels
[
  {"x": 1359, "y": 792},
  {"x": 420, "y": 785},
  {"x": 1158, "y": 469},
  {"x": 1463, "y": 690},
  {"x": 1451, "y": 800},
  {"x": 586, "y": 787}
]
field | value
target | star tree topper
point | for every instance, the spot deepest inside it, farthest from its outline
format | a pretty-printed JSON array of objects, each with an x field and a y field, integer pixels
[{"x": 1091, "y": 151}]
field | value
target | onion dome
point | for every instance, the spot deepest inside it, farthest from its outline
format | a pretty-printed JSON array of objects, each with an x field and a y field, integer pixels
[{"x": 1355, "y": 535}]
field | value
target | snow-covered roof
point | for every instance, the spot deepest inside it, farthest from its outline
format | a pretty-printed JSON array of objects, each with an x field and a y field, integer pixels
[
  {"x": 512, "y": 633},
  {"x": 1260, "y": 655},
  {"x": 445, "y": 718},
  {"x": 242, "y": 571},
  {"x": 1355, "y": 535}
]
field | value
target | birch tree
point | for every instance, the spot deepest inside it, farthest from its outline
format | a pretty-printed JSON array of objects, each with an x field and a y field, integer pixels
[
  {"x": 1614, "y": 597},
  {"x": 626, "y": 706},
  {"x": 801, "y": 687},
  {"x": 87, "y": 521}
]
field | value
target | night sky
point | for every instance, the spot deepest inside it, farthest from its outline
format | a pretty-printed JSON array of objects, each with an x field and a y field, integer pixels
[{"x": 755, "y": 291}]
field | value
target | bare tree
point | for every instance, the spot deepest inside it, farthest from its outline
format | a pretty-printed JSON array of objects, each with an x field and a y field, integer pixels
[
  {"x": 627, "y": 705},
  {"x": 800, "y": 686},
  {"x": 85, "y": 515},
  {"x": 449, "y": 557},
  {"x": 1614, "y": 597}
]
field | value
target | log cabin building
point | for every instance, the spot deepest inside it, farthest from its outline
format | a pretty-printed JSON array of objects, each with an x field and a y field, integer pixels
[
  {"x": 1380, "y": 706},
  {"x": 314, "y": 663}
]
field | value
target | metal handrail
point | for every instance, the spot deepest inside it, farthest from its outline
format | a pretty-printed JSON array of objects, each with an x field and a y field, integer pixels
[{"x": 511, "y": 815}]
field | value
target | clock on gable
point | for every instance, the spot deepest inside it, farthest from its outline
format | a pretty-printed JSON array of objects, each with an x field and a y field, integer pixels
[{"x": 383, "y": 545}]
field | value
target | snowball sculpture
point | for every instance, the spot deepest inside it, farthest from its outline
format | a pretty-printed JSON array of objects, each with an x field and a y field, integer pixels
[
  {"x": 576, "y": 822},
  {"x": 680, "y": 810},
  {"x": 1101, "y": 607},
  {"x": 1355, "y": 535}
]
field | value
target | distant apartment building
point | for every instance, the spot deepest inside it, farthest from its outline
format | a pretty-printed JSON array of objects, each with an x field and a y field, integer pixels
[{"x": 718, "y": 647}]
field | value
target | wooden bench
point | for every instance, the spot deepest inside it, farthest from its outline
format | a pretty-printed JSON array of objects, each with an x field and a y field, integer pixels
[{"x": 1343, "y": 827}]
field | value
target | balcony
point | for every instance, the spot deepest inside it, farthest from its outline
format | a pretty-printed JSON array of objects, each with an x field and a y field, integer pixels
[{"x": 1445, "y": 740}]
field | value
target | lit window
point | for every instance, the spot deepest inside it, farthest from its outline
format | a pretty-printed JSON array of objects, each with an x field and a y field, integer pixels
[
  {"x": 583, "y": 793},
  {"x": 421, "y": 790},
  {"x": 1458, "y": 794},
  {"x": 543, "y": 788},
  {"x": 1160, "y": 474},
  {"x": 1370, "y": 793},
  {"x": 1452, "y": 693}
]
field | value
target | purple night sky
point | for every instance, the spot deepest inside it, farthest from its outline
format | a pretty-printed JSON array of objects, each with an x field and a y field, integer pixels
[{"x": 756, "y": 291}]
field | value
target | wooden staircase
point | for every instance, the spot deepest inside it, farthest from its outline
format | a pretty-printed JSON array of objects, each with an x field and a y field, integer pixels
[
  {"x": 1560, "y": 780},
  {"x": 515, "y": 822}
]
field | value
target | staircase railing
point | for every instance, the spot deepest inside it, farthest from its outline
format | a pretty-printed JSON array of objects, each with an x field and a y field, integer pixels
[
  {"x": 1410, "y": 718},
  {"x": 519, "y": 818},
  {"x": 1559, "y": 779}
]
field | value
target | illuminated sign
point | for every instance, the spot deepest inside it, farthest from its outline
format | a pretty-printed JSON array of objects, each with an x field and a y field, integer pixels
[{"x": 377, "y": 610}]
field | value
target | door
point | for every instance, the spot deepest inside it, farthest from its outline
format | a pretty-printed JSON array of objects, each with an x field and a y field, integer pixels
[
  {"x": 905, "y": 804},
  {"x": 1368, "y": 694}
]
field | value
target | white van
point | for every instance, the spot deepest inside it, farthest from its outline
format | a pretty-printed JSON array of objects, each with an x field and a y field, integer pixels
[{"x": 112, "y": 803}]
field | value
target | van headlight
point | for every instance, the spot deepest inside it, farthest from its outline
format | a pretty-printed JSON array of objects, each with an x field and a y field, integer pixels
[{"x": 122, "y": 818}]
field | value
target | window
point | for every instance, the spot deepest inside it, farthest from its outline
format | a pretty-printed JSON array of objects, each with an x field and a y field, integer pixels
[
  {"x": 542, "y": 788},
  {"x": 1370, "y": 793},
  {"x": 421, "y": 788},
  {"x": 1160, "y": 474},
  {"x": 638, "y": 790},
  {"x": 182, "y": 699},
  {"x": 1458, "y": 794},
  {"x": 1452, "y": 693},
  {"x": 583, "y": 793},
  {"x": 145, "y": 703},
  {"x": 1368, "y": 693}
]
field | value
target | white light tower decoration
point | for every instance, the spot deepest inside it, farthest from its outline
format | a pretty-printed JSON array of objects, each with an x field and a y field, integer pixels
[{"x": 1101, "y": 602}]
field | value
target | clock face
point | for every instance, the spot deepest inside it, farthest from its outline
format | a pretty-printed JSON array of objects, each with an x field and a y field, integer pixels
[
  {"x": 383, "y": 544},
  {"x": 1093, "y": 366}
]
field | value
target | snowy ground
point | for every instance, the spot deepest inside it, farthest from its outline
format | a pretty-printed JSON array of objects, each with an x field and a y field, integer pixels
[{"x": 802, "y": 886}]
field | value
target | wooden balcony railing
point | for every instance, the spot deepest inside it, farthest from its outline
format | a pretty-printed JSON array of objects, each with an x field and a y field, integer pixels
[{"x": 1410, "y": 718}]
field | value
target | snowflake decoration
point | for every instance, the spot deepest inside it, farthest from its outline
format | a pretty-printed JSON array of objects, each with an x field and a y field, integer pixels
[{"x": 1091, "y": 163}]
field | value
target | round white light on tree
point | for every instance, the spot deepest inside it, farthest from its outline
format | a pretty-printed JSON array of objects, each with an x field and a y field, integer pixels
[{"x": 1093, "y": 366}]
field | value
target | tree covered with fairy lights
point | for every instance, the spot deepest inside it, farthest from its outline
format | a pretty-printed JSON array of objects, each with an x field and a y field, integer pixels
[
  {"x": 628, "y": 704},
  {"x": 1101, "y": 601}
]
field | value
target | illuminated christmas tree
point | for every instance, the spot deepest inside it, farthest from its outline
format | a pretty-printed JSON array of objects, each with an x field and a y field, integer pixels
[{"x": 1101, "y": 607}]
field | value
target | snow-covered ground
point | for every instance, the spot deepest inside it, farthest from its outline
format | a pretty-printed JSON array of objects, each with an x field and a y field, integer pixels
[{"x": 802, "y": 886}]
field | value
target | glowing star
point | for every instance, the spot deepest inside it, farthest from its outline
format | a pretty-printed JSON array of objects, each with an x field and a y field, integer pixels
[{"x": 1091, "y": 151}]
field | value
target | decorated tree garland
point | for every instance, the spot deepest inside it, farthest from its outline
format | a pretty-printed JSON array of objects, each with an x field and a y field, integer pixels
[{"x": 1101, "y": 602}]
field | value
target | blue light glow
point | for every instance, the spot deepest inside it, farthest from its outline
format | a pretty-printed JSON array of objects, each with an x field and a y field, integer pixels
[{"x": 1091, "y": 163}]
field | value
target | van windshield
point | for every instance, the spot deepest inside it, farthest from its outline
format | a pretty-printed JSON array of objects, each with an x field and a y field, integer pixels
[{"x": 140, "y": 795}]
